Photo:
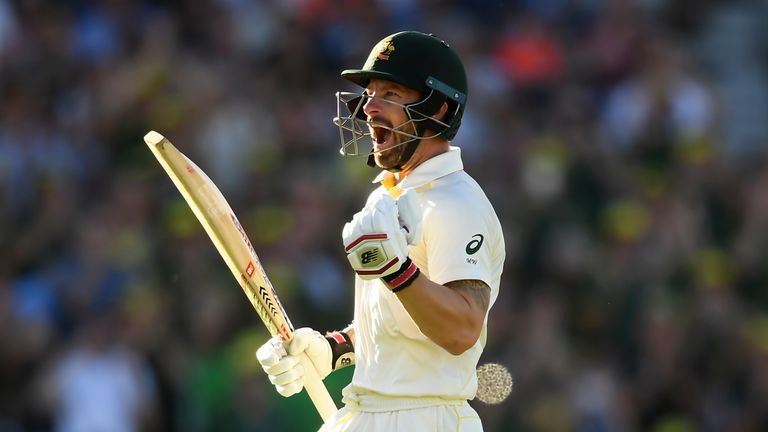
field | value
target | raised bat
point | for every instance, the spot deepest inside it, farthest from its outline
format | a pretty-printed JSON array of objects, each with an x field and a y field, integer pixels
[{"x": 224, "y": 229}]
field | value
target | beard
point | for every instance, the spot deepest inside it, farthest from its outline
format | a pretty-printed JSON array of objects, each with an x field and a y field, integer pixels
[{"x": 390, "y": 158}]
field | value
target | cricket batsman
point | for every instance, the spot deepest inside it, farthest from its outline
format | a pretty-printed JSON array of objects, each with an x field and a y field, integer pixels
[{"x": 427, "y": 250}]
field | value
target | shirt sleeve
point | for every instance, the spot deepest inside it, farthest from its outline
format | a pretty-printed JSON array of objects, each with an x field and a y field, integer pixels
[{"x": 456, "y": 237}]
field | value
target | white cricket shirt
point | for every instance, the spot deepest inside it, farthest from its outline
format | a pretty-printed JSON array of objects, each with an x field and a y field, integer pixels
[{"x": 462, "y": 239}]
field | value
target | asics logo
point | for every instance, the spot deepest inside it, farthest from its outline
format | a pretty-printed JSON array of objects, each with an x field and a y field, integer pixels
[{"x": 474, "y": 245}]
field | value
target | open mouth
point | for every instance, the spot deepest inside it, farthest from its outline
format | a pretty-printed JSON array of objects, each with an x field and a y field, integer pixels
[{"x": 381, "y": 136}]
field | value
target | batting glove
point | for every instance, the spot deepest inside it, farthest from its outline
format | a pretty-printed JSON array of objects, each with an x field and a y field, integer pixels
[
  {"x": 377, "y": 238},
  {"x": 409, "y": 216},
  {"x": 327, "y": 353},
  {"x": 279, "y": 359}
]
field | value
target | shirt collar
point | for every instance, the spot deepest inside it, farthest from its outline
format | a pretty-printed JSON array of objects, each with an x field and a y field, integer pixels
[{"x": 428, "y": 171}]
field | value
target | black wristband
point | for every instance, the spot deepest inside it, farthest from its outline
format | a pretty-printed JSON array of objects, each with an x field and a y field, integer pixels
[
  {"x": 342, "y": 349},
  {"x": 403, "y": 277}
]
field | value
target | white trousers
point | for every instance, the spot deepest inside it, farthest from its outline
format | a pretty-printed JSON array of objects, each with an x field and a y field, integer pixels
[{"x": 382, "y": 414}]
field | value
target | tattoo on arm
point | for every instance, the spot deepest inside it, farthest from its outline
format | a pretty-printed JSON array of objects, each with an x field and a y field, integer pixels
[{"x": 476, "y": 291}]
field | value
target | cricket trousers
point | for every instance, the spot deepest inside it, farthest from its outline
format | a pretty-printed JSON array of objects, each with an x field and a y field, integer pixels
[{"x": 376, "y": 413}]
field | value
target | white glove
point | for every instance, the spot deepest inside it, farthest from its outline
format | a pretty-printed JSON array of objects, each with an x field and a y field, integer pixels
[
  {"x": 409, "y": 216},
  {"x": 279, "y": 359},
  {"x": 375, "y": 242}
]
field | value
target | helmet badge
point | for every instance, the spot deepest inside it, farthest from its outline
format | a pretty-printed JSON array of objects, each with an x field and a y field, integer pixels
[{"x": 385, "y": 49}]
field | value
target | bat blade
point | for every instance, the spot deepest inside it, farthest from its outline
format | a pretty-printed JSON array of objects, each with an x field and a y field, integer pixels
[{"x": 227, "y": 234}]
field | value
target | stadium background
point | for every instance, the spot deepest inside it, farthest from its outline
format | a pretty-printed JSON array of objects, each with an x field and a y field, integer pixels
[{"x": 623, "y": 144}]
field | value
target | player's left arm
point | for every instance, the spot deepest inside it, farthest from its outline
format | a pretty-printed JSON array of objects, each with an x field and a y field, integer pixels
[{"x": 451, "y": 315}]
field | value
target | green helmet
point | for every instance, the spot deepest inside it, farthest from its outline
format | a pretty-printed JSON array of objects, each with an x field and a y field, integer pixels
[{"x": 422, "y": 62}]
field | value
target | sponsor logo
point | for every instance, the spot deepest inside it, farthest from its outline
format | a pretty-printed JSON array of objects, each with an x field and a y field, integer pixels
[
  {"x": 346, "y": 359},
  {"x": 474, "y": 245},
  {"x": 370, "y": 257},
  {"x": 250, "y": 268}
]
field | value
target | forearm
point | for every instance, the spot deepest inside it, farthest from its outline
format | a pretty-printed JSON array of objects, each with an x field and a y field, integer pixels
[{"x": 451, "y": 316}]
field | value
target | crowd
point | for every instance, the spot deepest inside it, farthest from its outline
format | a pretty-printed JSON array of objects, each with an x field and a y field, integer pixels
[{"x": 624, "y": 144}]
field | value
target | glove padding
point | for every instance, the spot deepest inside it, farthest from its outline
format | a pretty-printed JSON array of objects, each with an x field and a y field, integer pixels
[
  {"x": 376, "y": 239},
  {"x": 279, "y": 359},
  {"x": 409, "y": 216}
]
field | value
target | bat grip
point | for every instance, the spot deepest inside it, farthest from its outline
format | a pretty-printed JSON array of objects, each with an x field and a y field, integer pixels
[{"x": 316, "y": 389}]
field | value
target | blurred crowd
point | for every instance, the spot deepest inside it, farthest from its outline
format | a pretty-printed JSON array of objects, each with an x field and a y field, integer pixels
[{"x": 624, "y": 144}]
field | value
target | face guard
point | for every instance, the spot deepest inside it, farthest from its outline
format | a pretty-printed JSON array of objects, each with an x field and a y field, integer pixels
[{"x": 356, "y": 131}]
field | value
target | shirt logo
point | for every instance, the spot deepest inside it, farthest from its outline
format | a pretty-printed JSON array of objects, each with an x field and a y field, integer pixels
[{"x": 474, "y": 245}]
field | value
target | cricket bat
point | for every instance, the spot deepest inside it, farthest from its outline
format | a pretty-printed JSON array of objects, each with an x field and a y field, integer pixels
[{"x": 224, "y": 229}]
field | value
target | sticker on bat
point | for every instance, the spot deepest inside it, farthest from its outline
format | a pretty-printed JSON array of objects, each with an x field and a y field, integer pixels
[
  {"x": 267, "y": 300},
  {"x": 284, "y": 331},
  {"x": 250, "y": 269}
]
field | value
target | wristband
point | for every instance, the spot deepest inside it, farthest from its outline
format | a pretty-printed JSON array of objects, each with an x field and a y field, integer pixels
[
  {"x": 403, "y": 277},
  {"x": 342, "y": 350}
]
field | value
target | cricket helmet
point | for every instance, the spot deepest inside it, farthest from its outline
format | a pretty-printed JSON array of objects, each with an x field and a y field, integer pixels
[{"x": 419, "y": 61}]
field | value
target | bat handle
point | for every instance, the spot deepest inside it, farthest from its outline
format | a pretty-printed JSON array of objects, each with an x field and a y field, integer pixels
[{"x": 316, "y": 389}]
